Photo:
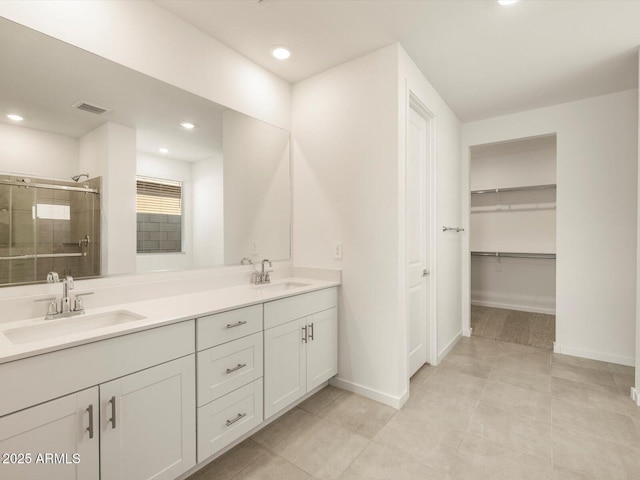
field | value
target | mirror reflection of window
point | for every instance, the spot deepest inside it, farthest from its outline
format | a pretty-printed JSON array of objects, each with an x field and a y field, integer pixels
[{"x": 159, "y": 215}]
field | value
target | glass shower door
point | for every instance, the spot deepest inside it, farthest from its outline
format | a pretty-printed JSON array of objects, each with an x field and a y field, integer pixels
[{"x": 17, "y": 234}]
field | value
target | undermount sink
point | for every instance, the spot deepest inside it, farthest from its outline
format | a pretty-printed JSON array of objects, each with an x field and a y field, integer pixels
[
  {"x": 69, "y": 326},
  {"x": 281, "y": 287}
]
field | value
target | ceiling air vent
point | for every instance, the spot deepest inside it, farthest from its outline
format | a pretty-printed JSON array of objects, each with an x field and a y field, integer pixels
[{"x": 91, "y": 108}]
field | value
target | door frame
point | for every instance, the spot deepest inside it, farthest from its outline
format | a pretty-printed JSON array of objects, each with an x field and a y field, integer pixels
[{"x": 413, "y": 102}]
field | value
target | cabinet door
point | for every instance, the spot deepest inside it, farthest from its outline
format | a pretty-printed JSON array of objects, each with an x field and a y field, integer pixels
[
  {"x": 322, "y": 348},
  {"x": 284, "y": 365},
  {"x": 147, "y": 423},
  {"x": 62, "y": 427}
]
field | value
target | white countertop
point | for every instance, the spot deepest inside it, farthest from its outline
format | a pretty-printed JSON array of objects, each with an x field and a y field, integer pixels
[{"x": 157, "y": 312}]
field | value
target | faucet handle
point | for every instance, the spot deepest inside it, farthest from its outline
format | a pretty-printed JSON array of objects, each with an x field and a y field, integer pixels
[
  {"x": 53, "y": 277},
  {"x": 78, "y": 304},
  {"x": 52, "y": 308}
]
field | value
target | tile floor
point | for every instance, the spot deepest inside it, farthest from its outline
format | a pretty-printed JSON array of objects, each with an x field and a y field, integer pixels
[
  {"x": 490, "y": 410},
  {"x": 525, "y": 328}
]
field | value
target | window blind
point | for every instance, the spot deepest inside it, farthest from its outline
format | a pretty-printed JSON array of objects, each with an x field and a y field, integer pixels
[{"x": 158, "y": 196}]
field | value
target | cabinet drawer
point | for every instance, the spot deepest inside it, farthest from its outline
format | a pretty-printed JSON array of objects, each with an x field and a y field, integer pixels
[
  {"x": 227, "y": 367},
  {"x": 221, "y": 328},
  {"x": 228, "y": 418},
  {"x": 291, "y": 308}
]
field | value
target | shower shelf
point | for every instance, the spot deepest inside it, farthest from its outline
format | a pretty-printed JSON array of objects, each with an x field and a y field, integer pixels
[{"x": 44, "y": 255}]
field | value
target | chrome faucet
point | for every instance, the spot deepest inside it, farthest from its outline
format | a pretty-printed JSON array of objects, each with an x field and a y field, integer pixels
[
  {"x": 263, "y": 276},
  {"x": 65, "y": 303},
  {"x": 65, "y": 309}
]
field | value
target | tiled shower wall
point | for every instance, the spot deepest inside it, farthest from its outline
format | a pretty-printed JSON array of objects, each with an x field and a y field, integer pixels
[{"x": 43, "y": 221}]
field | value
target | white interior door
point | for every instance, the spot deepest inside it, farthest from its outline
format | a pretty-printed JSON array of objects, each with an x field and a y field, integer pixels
[{"x": 417, "y": 239}]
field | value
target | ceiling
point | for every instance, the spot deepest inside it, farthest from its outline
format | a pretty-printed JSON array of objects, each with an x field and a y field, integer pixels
[
  {"x": 484, "y": 59},
  {"x": 43, "y": 77}
]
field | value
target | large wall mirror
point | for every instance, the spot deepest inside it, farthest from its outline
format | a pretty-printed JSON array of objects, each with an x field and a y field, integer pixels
[{"x": 123, "y": 165}]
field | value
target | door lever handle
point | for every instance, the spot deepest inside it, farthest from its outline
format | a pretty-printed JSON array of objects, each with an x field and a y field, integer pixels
[{"x": 425, "y": 272}]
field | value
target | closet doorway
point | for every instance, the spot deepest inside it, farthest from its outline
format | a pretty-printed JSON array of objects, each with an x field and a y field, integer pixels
[{"x": 512, "y": 238}]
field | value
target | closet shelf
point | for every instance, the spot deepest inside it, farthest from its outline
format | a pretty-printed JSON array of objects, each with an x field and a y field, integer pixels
[
  {"x": 546, "y": 256},
  {"x": 549, "y": 186}
]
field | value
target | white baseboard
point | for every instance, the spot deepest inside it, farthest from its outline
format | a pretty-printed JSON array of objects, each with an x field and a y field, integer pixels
[
  {"x": 443, "y": 353},
  {"x": 378, "y": 396},
  {"x": 593, "y": 355},
  {"x": 519, "y": 308},
  {"x": 635, "y": 395}
]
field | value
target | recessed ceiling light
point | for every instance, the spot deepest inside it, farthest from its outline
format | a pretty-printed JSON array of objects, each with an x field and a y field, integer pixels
[
  {"x": 187, "y": 125},
  {"x": 14, "y": 117},
  {"x": 505, "y": 3},
  {"x": 280, "y": 52},
  {"x": 163, "y": 150}
]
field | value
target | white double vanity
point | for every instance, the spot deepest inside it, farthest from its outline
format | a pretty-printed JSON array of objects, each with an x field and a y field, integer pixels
[{"x": 150, "y": 389}]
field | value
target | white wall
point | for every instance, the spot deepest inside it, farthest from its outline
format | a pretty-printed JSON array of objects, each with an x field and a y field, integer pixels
[
  {"x": 257, "y": 189},
  {"x": 208, "y": 212},
  {"x": 146, "y": 37},
  {"x": 34, "y": 152},
  {"x": 597, "y": 167},
  {"x": 110, "y": 151},
  {"x": 446, "y": 196},
  {"x": 346, "y": 189},
  {"x": 155, "y": 166}
]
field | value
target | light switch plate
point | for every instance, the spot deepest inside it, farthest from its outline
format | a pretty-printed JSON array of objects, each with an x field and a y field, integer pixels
[{"x": 337, "y": 251}]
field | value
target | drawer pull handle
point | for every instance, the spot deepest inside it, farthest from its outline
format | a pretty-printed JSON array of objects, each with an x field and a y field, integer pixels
[
  {"x": 311, "y": 331},
  {"x": 113, "y": 412},
  {"x": 239, "y": 417},
  {"x": 237, "y": 324},
  {"x": 240, "y": 365},
  {"x": 90, "y": 427},
  {"x": 304, "y": 334}
]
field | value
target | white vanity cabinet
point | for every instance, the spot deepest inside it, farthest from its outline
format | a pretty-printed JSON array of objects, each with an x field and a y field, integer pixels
[
  {"x": 64, "y": 426},
  {"x": 137, "y": 421},
  {"x": 230, "y": 370},
  {"x": 147, "y": 405},
  {"x": 300, "y": 346}
]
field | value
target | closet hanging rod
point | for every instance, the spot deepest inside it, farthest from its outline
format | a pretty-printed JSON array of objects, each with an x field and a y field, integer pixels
[
  {"x": 545, "y": 256},
  {"x": 549, "y": 186},
  {"x": 18, "y": 183}
]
